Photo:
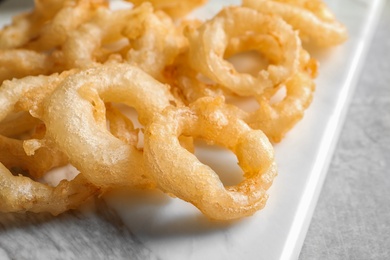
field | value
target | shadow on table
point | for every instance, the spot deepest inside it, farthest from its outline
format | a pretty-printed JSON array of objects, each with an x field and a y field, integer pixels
[{"x": 71, "y": 235}]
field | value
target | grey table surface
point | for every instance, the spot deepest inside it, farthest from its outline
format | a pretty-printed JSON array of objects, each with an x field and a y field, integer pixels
[
  {"x": 352, "y": 217},
  {"x": 351, "y": 220}
]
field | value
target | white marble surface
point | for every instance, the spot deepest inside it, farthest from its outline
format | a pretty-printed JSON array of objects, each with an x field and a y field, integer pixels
[{"x": 150, "y": 226}]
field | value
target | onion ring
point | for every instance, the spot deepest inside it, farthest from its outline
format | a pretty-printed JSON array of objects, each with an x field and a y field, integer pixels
[
  {"x": 313, "y": 19},
  {"x": 174, "y": 8},
  {"x": 19, "y": 63},
  {"x": 157, "y": 46},
  {"x": 55, "y": 32},
  {"x": 100, "y": 56},
  {"x": 151, "y": 40},
  {"x": 278, "y": 118},
  {"x": 274, "y": 118},
  {"x": 19, "y": 193},
  {"x": 195, "y": 182},
  {"x": 84, "y": 43},
  {"x": 26, "y": 26},
  {"x": 13, "y": 155},
  {"x": 207, "y": 45},
  {"x": 19, "y": 95},
  {"x": 47, "y": 24},
  {"x": 105, "y": 160},
  {"x": 17, "y": 124}
]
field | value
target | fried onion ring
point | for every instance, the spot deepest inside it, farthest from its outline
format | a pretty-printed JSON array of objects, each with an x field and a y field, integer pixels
[
  {"x": 82, "y": 135},
  {"x": 207, "y": 45},
  {"x": 19, "y": 63},
  {"x": 13, "y": 155},
  {"x": 313, "y": 19},
  {"x": 174, "y": 8},
  {"x": 105, "y": 58},
  {"x": 197, "y": 183},
  {"x": 26, "y": 26},
  {"x": 17, "y": 123},
  {"x": 274, "y": 118},
  {"x": 26, "y": 95},
  {"x": 20, "y": 193},
  {"x": 55, "y": 31},
  {"x": 143, "y": 37}
]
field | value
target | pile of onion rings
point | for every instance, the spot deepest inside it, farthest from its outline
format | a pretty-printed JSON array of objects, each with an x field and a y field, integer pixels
[{"x": 67, "y": 65}]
